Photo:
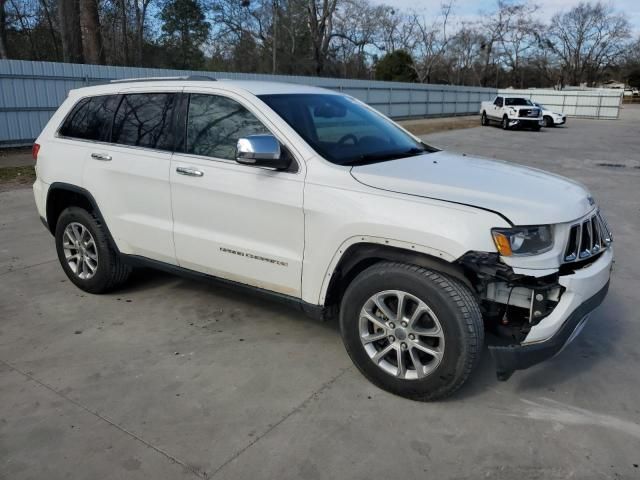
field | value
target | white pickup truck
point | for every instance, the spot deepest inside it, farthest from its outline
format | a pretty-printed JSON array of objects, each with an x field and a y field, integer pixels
[{"x": 511, "y": 112}]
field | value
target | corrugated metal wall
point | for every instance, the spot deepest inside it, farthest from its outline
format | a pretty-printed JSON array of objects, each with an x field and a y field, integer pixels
[
  {"x": 600, "y": 104},
  {"x": 31, "y": 91}
]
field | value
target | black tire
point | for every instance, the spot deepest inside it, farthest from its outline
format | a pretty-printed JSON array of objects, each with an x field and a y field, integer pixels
[
  {"x": 536, "y": 128},
  {"x": 548, "y": 121},
  {"x": 110, "y": 270},
  {"x": 483, "y": 119},
  {"x": 452, "y": 303},
  {"x": 505, "y": 123}
]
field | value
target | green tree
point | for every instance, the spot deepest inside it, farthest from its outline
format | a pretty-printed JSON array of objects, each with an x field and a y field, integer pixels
[
  {"x": 184, "y": 31},
  {"x": 396, "y": 66}
]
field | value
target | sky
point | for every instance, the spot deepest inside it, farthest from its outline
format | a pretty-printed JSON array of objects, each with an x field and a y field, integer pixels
[{"x": 471, "y": 9}]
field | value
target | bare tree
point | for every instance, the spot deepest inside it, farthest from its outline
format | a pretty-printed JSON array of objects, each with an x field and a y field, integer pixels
[
  {"x": 432, "y": 42},
  {"x": 124, "y": 30},
  {"x": 3, "y": 31},
  {"x": 52, "y": 31},
  {"x": 518, "y": 37},
  {"x": 91, "y": 32},
  {"x": 320, "y": 18},
  {"x": 587, "y": 39},
  {"x": 141, "y": 7},
  {"x": 464, "y": 51},
  {"x": 69, "y": 20}
]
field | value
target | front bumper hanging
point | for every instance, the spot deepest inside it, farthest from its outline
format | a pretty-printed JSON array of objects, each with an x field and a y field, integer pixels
[{"x": 519, "y": 357}]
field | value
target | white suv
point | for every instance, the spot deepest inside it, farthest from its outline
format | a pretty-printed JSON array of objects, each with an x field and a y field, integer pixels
[{"x": 318, "y": 199}]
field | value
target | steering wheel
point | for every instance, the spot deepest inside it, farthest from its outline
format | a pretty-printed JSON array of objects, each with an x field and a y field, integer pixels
[{"x": 347, "y": 137}]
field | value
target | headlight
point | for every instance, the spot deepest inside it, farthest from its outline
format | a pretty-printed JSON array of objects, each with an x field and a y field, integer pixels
[{"x": 519, "y": 241}]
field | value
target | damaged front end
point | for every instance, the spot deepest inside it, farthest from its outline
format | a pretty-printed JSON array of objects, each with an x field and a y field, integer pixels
[{"x": 514, "y": 306}]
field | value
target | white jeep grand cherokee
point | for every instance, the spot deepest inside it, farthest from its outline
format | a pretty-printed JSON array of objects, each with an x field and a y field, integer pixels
[{"x": 318, "y": 199}]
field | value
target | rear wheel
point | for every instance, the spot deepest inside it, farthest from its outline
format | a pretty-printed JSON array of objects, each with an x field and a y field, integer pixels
[
  {"x": 411, "y": 331},
  {"x": 85, "y": 253},
  {"x": 536, "y": 128},
  {"x": 505, "y": 123}
]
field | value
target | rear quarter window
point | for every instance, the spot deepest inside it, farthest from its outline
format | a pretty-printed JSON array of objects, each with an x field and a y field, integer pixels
[{"x": 91, "y": 118}]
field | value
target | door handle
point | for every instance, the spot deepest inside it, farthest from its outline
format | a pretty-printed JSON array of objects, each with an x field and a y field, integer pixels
[
  {"x": 191, "y": 172},
  {"x": 101, "y": 156}
]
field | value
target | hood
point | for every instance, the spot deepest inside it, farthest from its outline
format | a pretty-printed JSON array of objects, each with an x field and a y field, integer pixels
[{"x": 525, "y": 196}]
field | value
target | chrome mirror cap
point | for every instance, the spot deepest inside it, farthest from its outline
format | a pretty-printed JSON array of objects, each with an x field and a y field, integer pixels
[{"x": 253, "y": 148}]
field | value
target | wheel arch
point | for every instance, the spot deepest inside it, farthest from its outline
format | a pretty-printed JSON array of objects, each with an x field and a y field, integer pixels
[
  {"x": 63, "y": 195},
  {"x": 360, "y": 256}
]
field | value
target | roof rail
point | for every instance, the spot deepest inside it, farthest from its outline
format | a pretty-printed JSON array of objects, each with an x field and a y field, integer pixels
[{"x": 164, "y": 79}]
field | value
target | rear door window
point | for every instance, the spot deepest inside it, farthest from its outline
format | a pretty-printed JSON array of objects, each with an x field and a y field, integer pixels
[
  {"x": 91, "y": 118},
  {"x": 145, "y": 120}
]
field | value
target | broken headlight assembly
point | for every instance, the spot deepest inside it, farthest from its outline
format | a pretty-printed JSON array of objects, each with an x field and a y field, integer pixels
[{"x": 520, "y": 241}]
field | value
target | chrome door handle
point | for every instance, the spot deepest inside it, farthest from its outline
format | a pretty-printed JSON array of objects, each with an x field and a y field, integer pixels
[
  {"x": 101, "y": 156},
  {"x": 191, "y": 172}
]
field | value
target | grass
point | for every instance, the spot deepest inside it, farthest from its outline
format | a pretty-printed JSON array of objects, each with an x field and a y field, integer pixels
[
  {"x": 433, "y": 125},
  {"x": 14, "y": 176}
]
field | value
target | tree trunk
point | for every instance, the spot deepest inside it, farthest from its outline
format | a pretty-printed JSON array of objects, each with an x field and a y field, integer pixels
[
  {"x": 92, "y": 34},
  {"x": 125, "y": 34},
  {"x": 3, "y": 32},
  {"x": 141, "y": 14},
  {"x": 69, "y": 18},
  {"x": 52, "y": 31}
]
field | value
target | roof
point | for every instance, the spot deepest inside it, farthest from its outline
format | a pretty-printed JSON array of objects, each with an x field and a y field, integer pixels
[{"x": 255, "y": 87}]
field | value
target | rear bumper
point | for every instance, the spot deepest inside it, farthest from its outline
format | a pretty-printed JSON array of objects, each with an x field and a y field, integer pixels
[{"x": 585, "y": 289}]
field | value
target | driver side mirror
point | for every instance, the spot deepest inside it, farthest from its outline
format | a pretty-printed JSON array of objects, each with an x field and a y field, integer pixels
[{"x": 261, "y": 151}]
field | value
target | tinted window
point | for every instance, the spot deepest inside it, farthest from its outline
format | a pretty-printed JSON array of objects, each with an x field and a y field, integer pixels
[
  {"x": 498, "y": 102},
  {"x": 342, "y": 130},
  {"x": 91, "y": 118},
  {"x": 214, "y": 125},
  {"x": 145, "y": 120},
  {"x": 517, "y": 101}
]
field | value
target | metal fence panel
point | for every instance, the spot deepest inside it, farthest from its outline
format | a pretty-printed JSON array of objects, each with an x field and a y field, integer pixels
[
  {"x": 596, "y": 103},
  {"x": 31, "y": 91}
]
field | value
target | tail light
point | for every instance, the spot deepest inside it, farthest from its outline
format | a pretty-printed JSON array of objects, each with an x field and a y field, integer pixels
[{"x": 34, "y": 151}]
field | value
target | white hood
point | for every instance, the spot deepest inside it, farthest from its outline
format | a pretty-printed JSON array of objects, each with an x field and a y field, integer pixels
[{"x": 525, "y": 196}]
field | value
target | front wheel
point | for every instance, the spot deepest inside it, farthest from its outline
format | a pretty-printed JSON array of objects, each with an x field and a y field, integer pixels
[
  {"x": 548, "y": 122},
  {"x": 505, "y": 123},
  {"x": 483, "y": 120},
  {"x": 411, "y": 331}
]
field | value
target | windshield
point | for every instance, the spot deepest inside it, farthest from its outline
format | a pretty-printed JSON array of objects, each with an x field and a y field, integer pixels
[
  {"x": 517, "y": 101},
  {"x": 342, "y": 130}
]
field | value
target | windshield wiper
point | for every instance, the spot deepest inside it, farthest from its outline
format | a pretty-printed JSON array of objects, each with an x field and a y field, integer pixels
[{"x": 368, "y": 158}]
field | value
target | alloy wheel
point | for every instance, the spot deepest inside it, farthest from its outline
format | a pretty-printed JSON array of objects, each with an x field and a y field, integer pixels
[
  {"x": 401, "y": 334},
  {"x": 80, "y": 250}
]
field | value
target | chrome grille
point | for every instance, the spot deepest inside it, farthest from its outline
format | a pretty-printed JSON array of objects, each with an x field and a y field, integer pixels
[
  {"x": 529, "y": 112},
  {"x": 587, "y": 238}
]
